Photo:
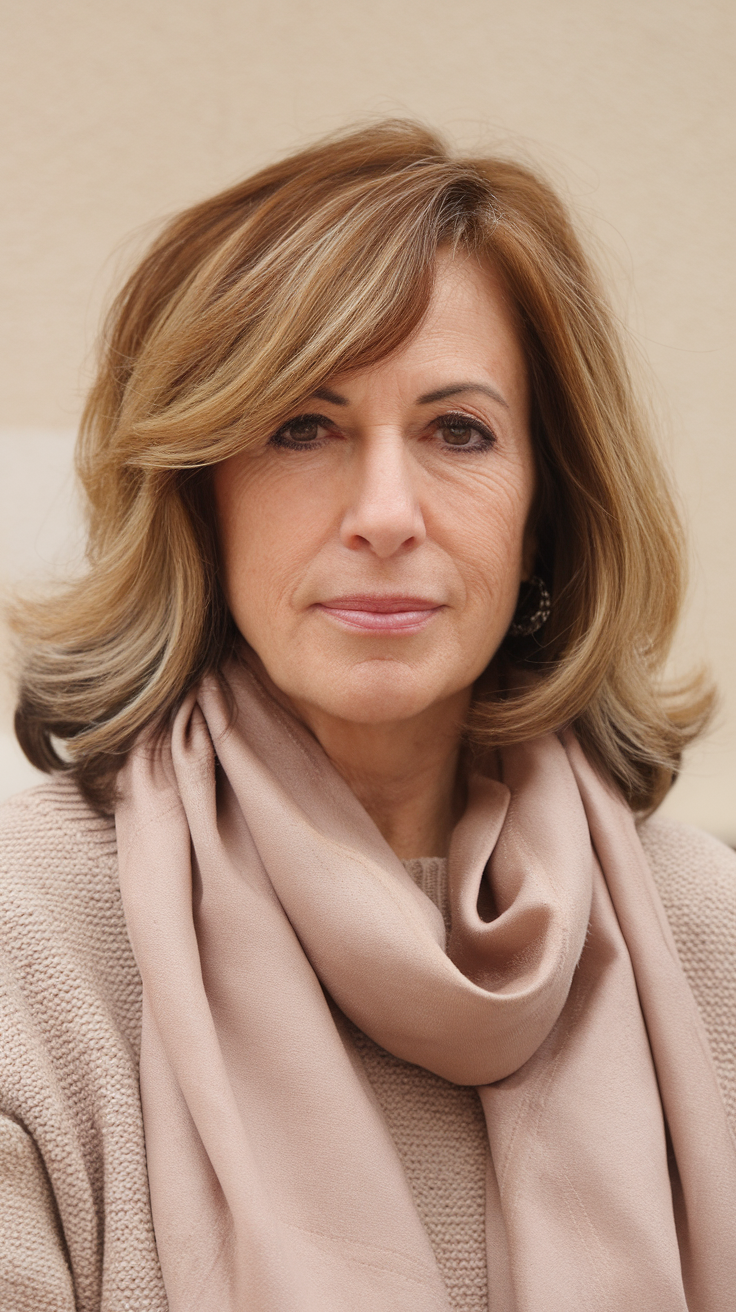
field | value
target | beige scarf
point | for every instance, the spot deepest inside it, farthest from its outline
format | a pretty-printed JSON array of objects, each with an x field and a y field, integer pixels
[{"x": 262, "y": 904}]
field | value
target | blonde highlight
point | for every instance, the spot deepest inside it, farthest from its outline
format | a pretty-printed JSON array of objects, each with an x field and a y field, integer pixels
[{"x": 243, "y": 306}]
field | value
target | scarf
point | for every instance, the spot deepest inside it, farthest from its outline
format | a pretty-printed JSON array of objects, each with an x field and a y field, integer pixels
[{"x": 264, "y": 906}]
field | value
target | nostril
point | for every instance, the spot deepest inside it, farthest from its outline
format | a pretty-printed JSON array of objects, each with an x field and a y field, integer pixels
[
  {"x": 383, "y": 540},
  {"x": 384, "y": 530},
  {"x": 384, "y": 516}
]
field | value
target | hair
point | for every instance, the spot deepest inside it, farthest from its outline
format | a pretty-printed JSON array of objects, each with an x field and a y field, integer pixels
[{"x": 243, "y": 306}]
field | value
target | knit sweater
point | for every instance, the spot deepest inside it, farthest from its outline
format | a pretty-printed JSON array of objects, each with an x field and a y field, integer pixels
[{"x": 75, "y": 1222}]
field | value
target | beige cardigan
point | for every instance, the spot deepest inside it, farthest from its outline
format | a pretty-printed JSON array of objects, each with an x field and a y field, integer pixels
[{"x": 75, "y": 1224}]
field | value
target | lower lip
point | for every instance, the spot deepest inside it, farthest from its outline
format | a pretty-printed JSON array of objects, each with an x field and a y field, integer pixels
[{"x": 382, "y": 621}]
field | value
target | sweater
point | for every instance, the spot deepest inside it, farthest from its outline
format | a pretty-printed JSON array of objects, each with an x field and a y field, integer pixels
[{"x": 75, "y": 1220}]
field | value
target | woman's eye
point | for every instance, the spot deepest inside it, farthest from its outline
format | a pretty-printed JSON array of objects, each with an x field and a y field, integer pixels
[
  {"x": 457, "y": 431},
  {"x": 302, "y": 431}
]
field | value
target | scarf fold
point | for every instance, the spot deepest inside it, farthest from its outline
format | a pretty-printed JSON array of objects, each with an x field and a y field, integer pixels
[{"x": 259, "y": 896}]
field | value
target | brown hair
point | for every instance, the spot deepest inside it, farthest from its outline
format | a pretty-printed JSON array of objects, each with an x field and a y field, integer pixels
[{"x": 243, "y": 306}]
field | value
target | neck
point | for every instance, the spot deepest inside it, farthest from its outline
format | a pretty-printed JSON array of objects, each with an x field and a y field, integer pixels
[{"x": 404, "y": 773}]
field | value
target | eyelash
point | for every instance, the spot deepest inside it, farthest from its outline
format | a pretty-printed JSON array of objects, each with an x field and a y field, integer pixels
[{"x": 455, "y": 417}]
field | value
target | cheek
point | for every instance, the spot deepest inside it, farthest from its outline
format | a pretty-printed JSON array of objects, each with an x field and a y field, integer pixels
[
  {"x": 252, "y": 563},
  {"x": 264, "y": 544},
  {"x": 490, "y": 533}
]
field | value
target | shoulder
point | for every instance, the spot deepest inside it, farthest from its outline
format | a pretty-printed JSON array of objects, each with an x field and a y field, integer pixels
[
  {"x": 61, "y": 914},
  {"x": 52, "y": 821},
  {"x": 695, "y": 875},
  {"x": 54, "y": 847},
  {"x": 57, "y": 859}
]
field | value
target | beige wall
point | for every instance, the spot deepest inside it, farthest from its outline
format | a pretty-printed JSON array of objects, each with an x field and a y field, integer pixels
[{"x": 116, "y": 114}]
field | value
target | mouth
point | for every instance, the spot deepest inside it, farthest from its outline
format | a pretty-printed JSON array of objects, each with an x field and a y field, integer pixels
[{"x": 381, "y": 614}]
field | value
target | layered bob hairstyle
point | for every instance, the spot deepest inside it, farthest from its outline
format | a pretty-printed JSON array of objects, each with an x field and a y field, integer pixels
[{"x": 245, "y": 305}]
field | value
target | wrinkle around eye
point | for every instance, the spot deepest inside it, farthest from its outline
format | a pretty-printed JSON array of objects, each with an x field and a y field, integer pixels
[
  {"x": 485, "y": 438},
  {"x": 286, "y": 436},
  {"x": 311, "y": 431}
]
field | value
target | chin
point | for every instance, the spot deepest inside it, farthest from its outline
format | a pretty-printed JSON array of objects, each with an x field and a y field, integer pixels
[{"x": 378, "y": 692}]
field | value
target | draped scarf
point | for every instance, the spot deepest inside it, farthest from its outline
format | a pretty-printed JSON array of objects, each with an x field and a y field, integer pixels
[{"x": 263, "y": 906}]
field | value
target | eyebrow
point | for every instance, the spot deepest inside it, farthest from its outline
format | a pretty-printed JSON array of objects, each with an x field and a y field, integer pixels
[
  {"x": 333, "y": 398},
  {"x": 429, "y": 398}
]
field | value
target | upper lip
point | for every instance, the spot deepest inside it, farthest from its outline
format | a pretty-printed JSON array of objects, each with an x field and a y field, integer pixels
[{"x": 382, "y": 604}]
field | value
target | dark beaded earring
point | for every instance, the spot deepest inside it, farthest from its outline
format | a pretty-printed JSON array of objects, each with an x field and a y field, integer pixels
[{"x": 533, "y": 608}]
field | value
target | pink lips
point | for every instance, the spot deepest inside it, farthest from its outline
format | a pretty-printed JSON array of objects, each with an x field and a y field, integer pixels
[{"x": 376, "y": 614}]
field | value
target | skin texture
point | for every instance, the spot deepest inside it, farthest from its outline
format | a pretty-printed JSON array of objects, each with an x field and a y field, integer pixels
[{"x": 372, "y": 557}]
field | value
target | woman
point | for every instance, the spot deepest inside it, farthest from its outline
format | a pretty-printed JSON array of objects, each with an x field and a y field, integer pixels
[{"x": 383, "y": 569}]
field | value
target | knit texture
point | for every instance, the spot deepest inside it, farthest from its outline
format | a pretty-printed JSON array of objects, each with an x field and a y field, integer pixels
[
  {"x": 75, "y": 1222},
  {"x": 75, "y": 1225},
  {"x": 696, "y": 878}
]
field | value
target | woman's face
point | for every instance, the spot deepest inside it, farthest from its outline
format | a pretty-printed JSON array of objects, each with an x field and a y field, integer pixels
[{"x": 373, "y": 549}]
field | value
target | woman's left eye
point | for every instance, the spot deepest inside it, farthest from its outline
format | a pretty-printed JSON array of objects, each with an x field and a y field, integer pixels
[{"x": 461, "y": 432}]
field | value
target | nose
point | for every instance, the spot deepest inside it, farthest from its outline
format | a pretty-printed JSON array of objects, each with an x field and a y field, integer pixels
[{"x": 384, "y": 515}]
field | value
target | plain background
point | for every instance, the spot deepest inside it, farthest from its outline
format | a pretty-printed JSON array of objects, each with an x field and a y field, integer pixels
[{"x": 117, "y": 114}]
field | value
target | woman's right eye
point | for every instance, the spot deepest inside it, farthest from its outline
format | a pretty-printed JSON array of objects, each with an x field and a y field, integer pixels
[{"x": 303, "y": 431}]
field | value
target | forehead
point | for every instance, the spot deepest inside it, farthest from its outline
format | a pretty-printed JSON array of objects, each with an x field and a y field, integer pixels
[
  {"x": 470, "y": 308},
  {"x": 468, "y": 331}
]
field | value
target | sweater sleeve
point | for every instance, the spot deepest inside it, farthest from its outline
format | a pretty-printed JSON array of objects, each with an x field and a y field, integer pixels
[
  {"x": 34, "y": 1272},
  {"x": 72, "y": 1156},
  {"x": 696, "y": 878}
]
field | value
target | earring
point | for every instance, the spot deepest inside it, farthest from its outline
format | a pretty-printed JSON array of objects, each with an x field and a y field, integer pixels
[{"x": 533, "y": 608}]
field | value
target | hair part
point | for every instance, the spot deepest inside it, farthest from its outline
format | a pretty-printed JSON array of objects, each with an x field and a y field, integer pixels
[{"x": 243, "y": 306}]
